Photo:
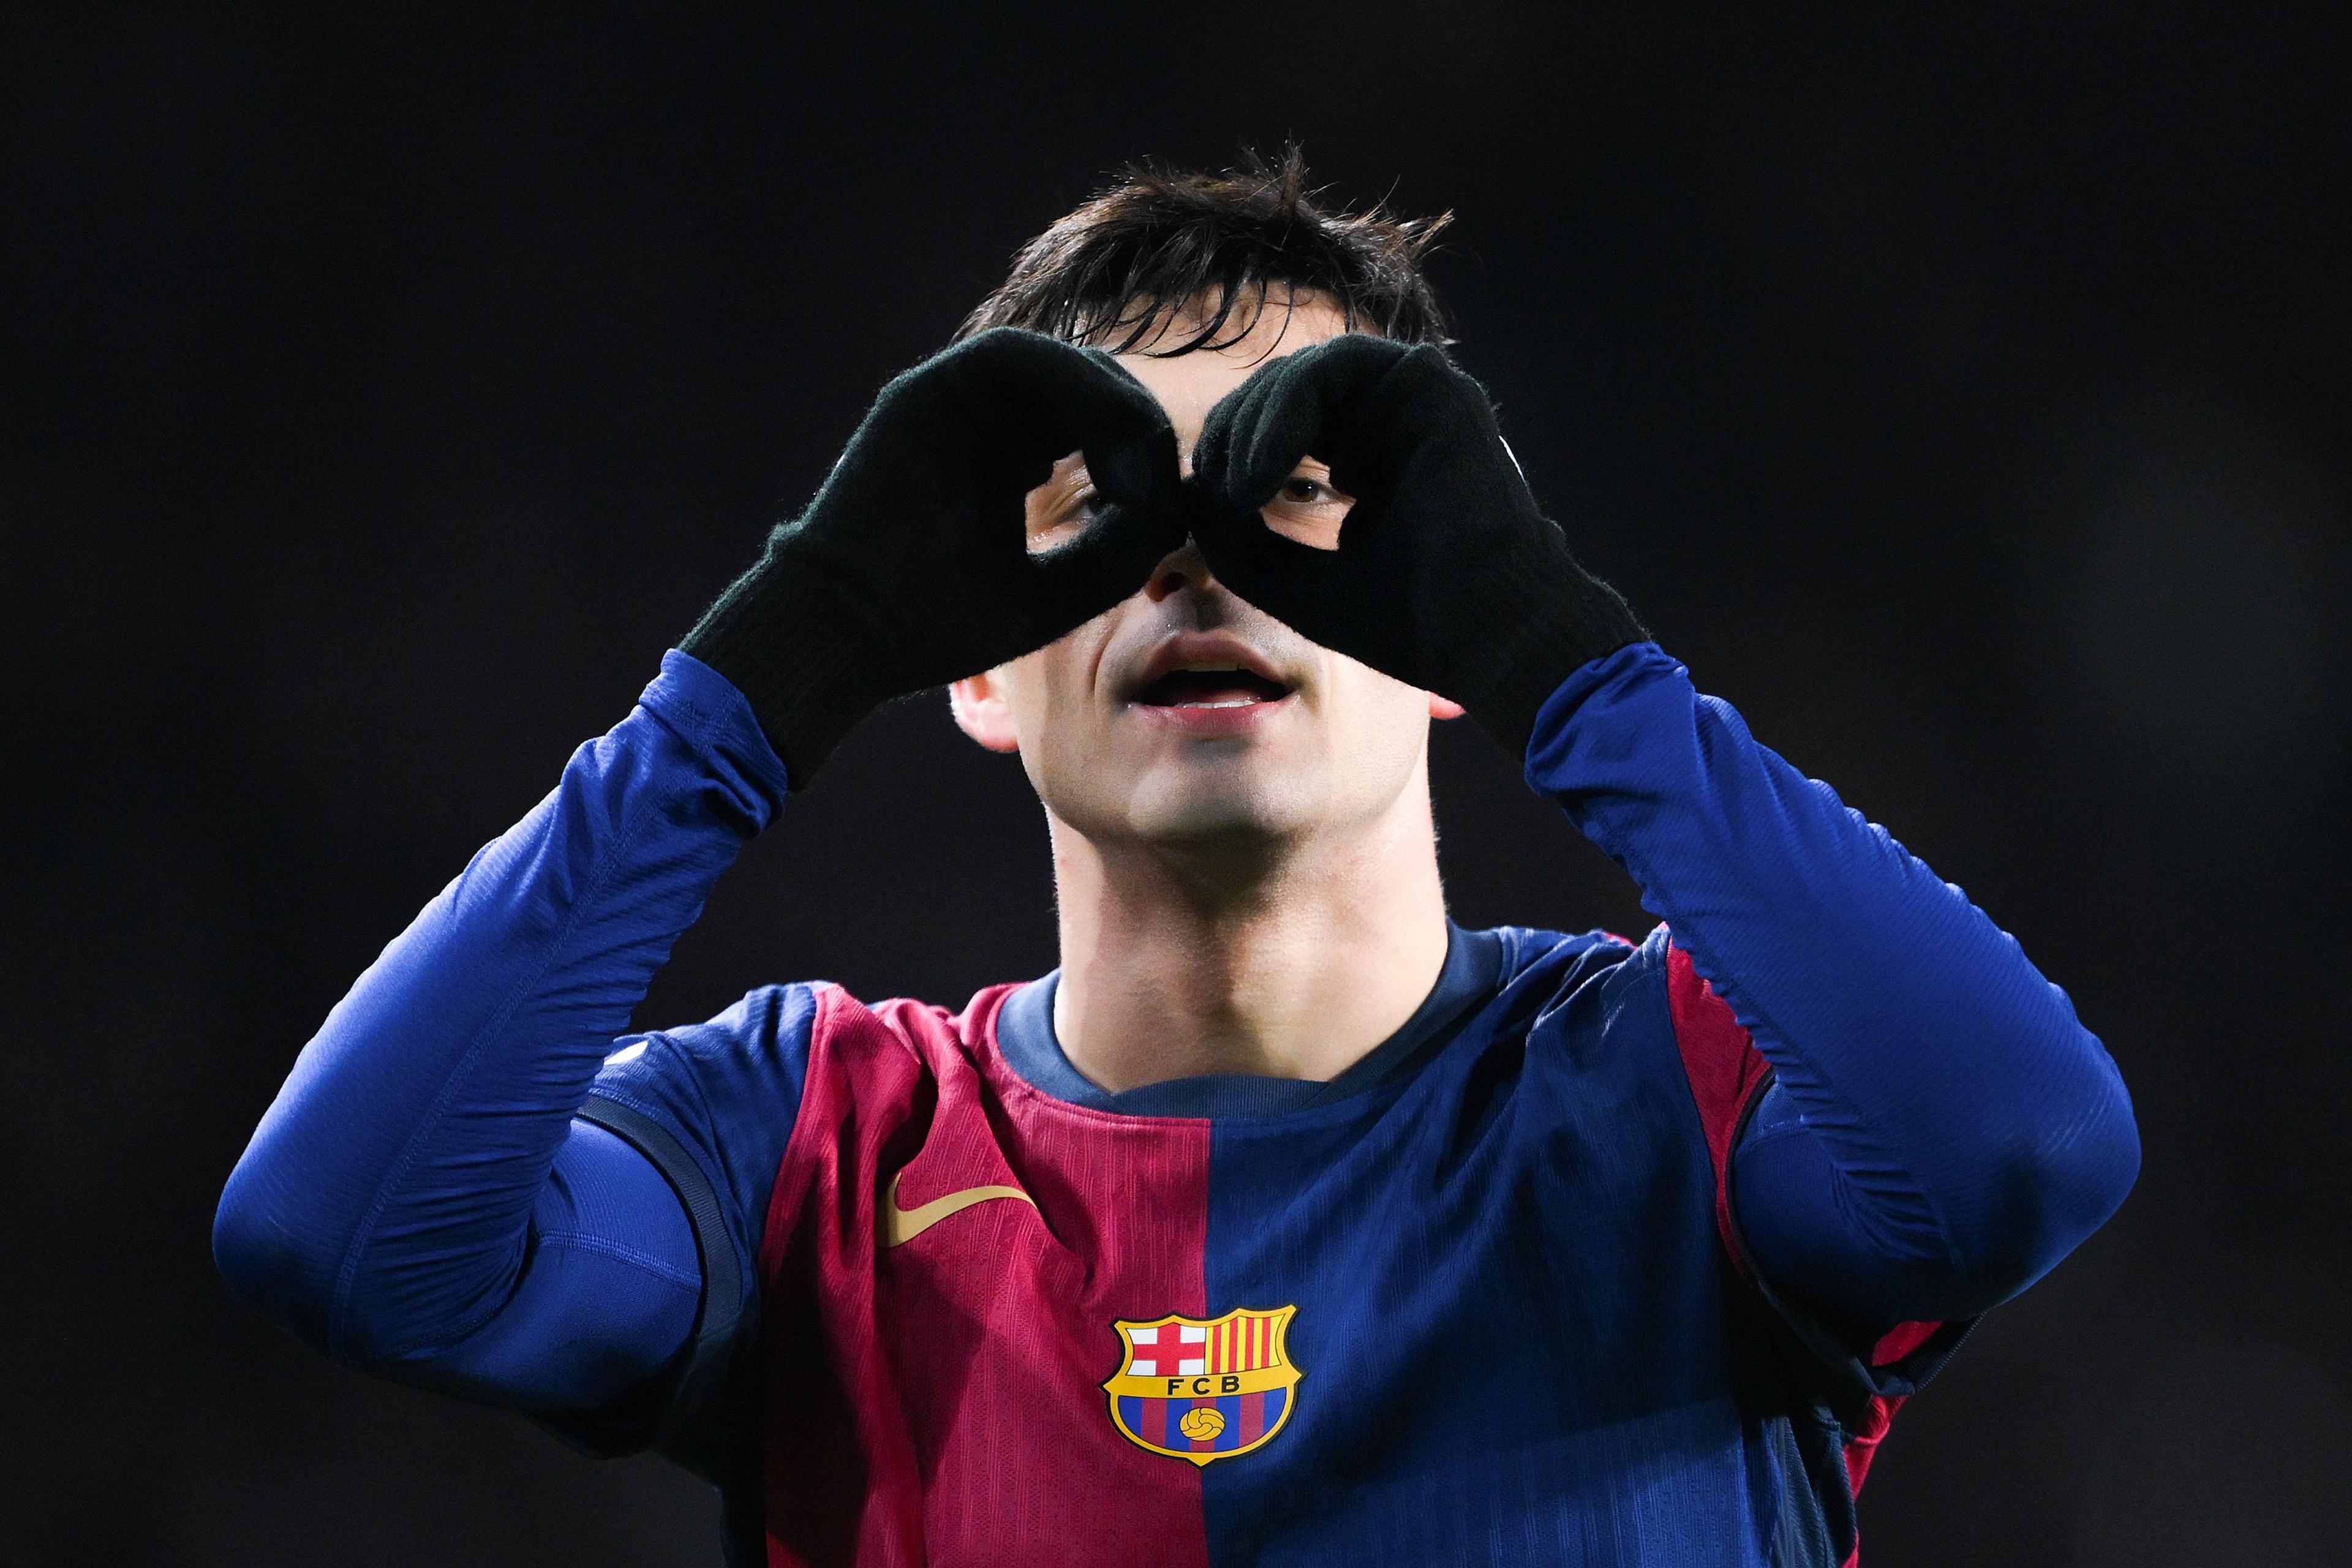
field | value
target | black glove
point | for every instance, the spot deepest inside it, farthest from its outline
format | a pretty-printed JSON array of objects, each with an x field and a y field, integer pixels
[
  {"x": 911, "y": 567},
  {"x": 1447, "y": 575}
]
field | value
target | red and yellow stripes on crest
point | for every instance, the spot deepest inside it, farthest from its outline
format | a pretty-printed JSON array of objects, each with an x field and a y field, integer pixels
[{"x": 1246, "y": 1341}]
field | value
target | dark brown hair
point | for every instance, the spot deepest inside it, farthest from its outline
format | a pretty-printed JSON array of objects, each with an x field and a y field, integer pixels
[{"x": 1114, "y": 272}]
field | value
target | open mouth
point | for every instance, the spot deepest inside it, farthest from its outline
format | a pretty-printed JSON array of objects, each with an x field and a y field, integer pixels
[{"x": 1210, "y": 688}]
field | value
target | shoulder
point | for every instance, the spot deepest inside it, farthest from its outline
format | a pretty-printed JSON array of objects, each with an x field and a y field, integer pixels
[
  {"x": 1553, "y": 969},
  {"x": 868, "y": 1049},
  {"x": 1616, "y": 1004},
  {"x": 1559, "y": 986},
  {"x": 713, "y": 1104},
  {"x": 748, "y": 1059},
  {"x": 1536, "y": 960}
]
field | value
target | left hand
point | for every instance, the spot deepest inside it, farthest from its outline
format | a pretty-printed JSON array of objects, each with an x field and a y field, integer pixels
[{"x": 1447, "y": 575}]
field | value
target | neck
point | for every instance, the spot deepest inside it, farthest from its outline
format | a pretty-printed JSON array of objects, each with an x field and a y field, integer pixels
[{"x": 1276, "y": 959}]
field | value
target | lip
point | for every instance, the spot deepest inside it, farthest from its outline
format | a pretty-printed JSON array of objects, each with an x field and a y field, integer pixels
[
  {"x": 1213, "y": 723},
  {"x": 1194, "y": 648}
]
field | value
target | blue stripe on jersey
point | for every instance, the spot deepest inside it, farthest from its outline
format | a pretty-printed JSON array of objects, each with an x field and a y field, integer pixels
[{"x": 1511, "y": 1298}]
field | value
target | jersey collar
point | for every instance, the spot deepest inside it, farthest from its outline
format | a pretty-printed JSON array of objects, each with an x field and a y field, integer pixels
[{"x": 1024, "y": 1034}]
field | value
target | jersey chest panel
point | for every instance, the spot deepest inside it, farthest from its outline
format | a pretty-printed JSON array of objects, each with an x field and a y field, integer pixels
[
  {"x": 1505, "y": 1295},
  {"x": 1511, "y": 1308},
  {"x": 954, "y": 1337}
]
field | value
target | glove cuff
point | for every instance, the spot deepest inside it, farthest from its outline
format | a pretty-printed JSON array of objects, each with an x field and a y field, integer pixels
[
  {"x": 800, "y": 652},
  {"x": 1550, "y": 618}
]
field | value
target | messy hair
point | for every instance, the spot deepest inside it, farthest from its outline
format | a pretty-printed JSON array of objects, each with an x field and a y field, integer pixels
[{"x": 1116, "y": 272}]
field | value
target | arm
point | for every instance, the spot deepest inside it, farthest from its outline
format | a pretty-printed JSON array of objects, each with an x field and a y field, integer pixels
[
  {"x": 419, "y": 1198},
  {"x": 1941, "y": 1129}
]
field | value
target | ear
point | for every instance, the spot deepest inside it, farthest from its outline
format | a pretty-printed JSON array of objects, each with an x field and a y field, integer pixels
[
  {"x": 981, "y": 712},
  {"x": 1441, "y": 708}
]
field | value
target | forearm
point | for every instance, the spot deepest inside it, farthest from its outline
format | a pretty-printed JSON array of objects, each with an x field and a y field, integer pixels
[
  {"x": 384, "y": 1206},
  {"x": 1969, "y": 1130}
]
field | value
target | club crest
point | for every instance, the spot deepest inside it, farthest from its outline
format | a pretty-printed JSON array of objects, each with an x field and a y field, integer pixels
[{"x": 1202, "y": 1390}]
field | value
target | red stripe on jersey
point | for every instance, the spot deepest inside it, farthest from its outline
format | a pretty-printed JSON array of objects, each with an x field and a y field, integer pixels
[
  {"x": 1863, "y": 1445},
  {"x": 1901, "y": 1340},
  {"x": 941, "y": 1398},
  {"x": 1725, "y": 1069}
]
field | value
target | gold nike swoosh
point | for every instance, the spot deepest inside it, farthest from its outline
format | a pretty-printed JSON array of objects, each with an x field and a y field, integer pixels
[{"x": 900, "y": 1226}]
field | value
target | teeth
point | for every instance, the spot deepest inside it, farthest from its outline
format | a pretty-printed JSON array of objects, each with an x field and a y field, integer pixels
[{"x": 1222, "y": 702}]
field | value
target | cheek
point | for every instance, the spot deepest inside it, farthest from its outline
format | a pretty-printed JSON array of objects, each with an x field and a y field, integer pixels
[
  {"x": 1315, "y": 524},
  {"x": 1379, "y": 724},
  {"x": 1051, "y": 691}
]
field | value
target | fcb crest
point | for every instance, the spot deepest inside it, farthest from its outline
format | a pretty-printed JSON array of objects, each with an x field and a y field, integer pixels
[{"x": 1204, "y": 1390}]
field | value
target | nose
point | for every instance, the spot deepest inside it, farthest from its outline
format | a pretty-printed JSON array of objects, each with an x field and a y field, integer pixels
[{"x": 1182, "y": 570}]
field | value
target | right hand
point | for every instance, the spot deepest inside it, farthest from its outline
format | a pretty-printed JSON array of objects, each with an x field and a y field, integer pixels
[
  {"x": 1445, "y": 575},
  {"x": 911, "y": 567}
]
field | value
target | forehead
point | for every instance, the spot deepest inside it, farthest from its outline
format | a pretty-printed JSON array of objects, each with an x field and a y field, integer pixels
[{"x": 1188, "y": 384}]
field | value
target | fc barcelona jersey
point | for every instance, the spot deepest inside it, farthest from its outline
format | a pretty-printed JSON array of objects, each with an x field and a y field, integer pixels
[{"x": 1478, "y": 1300}]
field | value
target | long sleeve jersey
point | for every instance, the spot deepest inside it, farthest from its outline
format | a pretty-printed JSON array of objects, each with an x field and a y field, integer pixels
[{"x": 1662, "y": 1231}]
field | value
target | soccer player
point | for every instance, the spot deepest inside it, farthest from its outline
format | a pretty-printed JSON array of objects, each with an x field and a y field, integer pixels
[{"x": 1286, "y": 1221}]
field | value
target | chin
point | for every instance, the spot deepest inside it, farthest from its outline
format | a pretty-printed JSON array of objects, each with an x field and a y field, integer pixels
[
  {"x": 1194, "y": 807},
  {"x": 1204, "y": 823}
]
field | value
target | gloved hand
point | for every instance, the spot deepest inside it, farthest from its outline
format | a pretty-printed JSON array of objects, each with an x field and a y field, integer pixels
[
  {"x": 1446, "y": 576},
  {"x": 911, "y": 567}
]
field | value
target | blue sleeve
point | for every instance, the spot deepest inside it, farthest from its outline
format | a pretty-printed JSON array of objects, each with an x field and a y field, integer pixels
[
  {"x": 420, "y": 1199},
  {"x": 1941, "y": 1129}
]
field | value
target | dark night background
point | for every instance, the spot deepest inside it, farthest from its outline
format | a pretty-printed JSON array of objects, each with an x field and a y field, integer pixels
[{"x": 1963, "y": 395}]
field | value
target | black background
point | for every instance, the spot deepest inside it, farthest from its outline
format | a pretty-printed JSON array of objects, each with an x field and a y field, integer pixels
[{"x": 1960, "y": 391}]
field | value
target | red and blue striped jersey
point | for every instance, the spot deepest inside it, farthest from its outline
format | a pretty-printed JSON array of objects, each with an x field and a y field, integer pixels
[{"x": 1477, "y": 1299}]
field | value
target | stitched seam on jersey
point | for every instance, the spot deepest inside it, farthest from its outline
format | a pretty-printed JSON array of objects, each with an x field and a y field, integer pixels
[
  {"x": 621, "y": 1095},
  {"x": 582, "y": 1241},
  {"x": 748, "y": 1248},
  {"x": 593, "y": 888},
  {"x": 830, "y": 999},
  {"x": 714, "y": 726},
  {"x": 1779, "y": 1134},
  {"x": 661, "y": 1116}
]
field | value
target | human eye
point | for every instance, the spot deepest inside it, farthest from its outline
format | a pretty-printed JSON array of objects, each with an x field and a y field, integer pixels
[
  {"x": 1309, "y": 485},
  {"x": 1061, "y": 507},
  {"x": 1308, "y": 507}
]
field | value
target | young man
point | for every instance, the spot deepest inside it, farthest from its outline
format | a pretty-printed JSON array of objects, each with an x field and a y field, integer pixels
[{"x": 1286, "y": 1221}]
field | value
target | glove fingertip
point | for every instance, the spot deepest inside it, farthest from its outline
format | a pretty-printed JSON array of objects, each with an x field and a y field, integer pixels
[
  {"x": 1113, "y": 558},
  {"x": 1265, "y": 567},
  {"x": 1137, "y": 471}
]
